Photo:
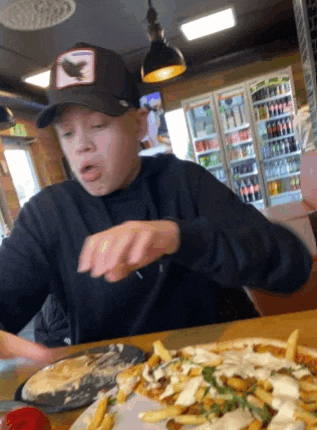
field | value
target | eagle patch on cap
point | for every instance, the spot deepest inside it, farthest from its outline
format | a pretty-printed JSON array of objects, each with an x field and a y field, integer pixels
[{"x": 75, "y": 67}]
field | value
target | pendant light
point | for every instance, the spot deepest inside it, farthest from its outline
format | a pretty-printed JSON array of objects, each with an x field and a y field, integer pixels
[{"x": 163, "y": 62}]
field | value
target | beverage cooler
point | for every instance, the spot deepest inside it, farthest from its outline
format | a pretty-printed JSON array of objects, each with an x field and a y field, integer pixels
[
  {"x": 273, "y": 108},
  {"x": 204, "y": 133},
  {"x": 244, "y": 136},
  {"x": 240, "y": 145}
]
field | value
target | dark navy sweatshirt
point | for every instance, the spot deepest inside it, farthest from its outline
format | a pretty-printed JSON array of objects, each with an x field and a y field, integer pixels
[{"x": 223, "y": 243}]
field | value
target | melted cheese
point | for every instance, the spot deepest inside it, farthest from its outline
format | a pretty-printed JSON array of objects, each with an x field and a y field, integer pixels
[
  {"x": 204, "y": 356},
  {"x": 235, "y": 420},
  {"x": 245, "y": 365},
  {"x": 187, "y": 396},
  {"x": 284, "y": 420}
]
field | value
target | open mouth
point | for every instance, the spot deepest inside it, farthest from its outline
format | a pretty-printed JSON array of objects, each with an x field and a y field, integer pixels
[{"x": 90, "y": 173}]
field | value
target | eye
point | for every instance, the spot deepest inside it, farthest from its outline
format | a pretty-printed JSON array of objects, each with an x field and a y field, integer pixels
[
  {"x": 67, "y": 134},
  {"x": 98, "y": 126}
]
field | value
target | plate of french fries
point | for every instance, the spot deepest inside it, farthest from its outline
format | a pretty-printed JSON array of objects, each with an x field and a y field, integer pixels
[{"x": 246, "y": 384}]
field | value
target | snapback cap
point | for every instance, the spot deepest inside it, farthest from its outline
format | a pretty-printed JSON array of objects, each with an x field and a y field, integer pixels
[{"x": 93, "y": 77}]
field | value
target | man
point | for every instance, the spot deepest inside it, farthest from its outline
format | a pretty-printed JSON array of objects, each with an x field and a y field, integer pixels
[{"x": 133, "y": 245}]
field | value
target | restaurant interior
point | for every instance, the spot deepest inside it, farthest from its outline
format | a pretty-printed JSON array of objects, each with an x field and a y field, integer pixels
[
  {"x": 261, "y": 42},
  {"x": 264, "y": 57}
]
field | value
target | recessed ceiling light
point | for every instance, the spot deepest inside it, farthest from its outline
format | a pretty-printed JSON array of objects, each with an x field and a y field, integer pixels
[
  {"x": 209, "y": 24},
  {"x": 41, "y": 79}
]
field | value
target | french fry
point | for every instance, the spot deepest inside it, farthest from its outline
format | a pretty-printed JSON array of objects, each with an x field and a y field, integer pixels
[
  {"x": 310, "y": 407},
  {"x": 255, "y": 401},
  {"x": 107, "y": 422},
  {"x": 266, "y": 385},
  {"x": 200, "y": 394},
  {"x": 99, "y": 414},
  {"x": 291, "y": 345},
  {"x": 263, "y": 395},
  {"x": 161, "y": 414},
  {"x": 307, "y": 386},
  {"x": 305, "y": 416},
  {"x": 255, "y": 425},
  {"x": 237, "y": 384},
  {"x": 161, "y": 351},
  {"x": 308, "y": 396},
  {"x": 153, "y": 361},
  {"x": 191, "y": 419},
  {"x": 196, "y": 371}
]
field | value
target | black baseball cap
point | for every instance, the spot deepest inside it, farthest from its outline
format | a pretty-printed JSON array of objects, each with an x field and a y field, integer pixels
[{"x": 93, "y": 77}]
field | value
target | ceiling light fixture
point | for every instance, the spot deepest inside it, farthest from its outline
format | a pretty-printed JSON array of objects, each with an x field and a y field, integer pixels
[
  {"x": 41, "y": 79},
  {"x": 209, "y": 24},
  {"x": 162, "y": 62},
  {"x": 28, "y": 15}
]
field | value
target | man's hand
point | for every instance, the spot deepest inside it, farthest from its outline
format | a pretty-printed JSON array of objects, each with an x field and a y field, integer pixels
[
  {"x": 120, "y": 250},
  {"x": 12, "y": 346}
]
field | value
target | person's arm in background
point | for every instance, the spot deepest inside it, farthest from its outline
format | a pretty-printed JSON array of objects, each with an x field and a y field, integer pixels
[
  {"x": 236, "y": 245},
  {"x": 24, "y": 271}
]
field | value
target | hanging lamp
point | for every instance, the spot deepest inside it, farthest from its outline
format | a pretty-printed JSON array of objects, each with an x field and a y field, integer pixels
[{"x": 162, "y": 62}]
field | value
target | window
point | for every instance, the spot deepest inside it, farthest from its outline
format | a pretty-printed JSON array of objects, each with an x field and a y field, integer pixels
[{"x": 22, "y": 171}]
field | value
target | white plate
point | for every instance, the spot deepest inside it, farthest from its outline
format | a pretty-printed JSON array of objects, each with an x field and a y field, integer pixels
[{"x": 126, "y": 415}]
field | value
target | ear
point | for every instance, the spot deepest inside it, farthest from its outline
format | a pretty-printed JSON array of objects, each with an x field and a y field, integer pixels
[{"x": 141, "y": 123}]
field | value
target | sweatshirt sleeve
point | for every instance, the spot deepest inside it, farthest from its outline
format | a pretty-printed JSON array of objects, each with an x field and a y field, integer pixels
[
  {"x": 24, "y": 272},
  {"x": 236, "y": 245}
]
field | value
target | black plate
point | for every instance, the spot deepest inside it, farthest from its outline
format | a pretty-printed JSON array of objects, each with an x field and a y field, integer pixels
[{"x": 87, "y": 392}]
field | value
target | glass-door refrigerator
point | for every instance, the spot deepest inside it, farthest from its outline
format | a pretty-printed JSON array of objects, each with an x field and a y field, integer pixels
[
  {"x": 204, "y": 133},
  {"x": 273, "y": 107},
  {"x": 239, "y": 144}
]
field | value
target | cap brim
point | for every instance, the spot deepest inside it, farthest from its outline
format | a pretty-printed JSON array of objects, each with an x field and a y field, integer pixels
[{"x": 107, "y": 105}]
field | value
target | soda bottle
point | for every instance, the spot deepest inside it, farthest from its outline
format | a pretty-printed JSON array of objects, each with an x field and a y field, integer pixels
[
  {"x": 279, "y": 187},
  {"x": 244, "y": 191},
  {"x": 274, "y": 190},
  {"x": 276, "y": 112},
  {"x": 256, "y": 188},
  {"x": 274, "y": 129},
  {"x": 250, "y": 191},
  {"x": 284, "y": 105},
  {"x": 277, "y": 90},
  {"x": 277, "y": 148},
  {"x": 280, "y": 128},
  {"x": 269, "y": 131},
  {"x": 293, "y": 183},
  {"x": 282, "y": 147},
  {"x": 280, "y": 107},
  {"x": 271, "y": 110},
  {"x": 266, "y": 111}
]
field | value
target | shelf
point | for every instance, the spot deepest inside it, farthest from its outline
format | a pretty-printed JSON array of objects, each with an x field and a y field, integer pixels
[
  {"x": 286, "y": 136},
  {"x": 238, "y": 160},
  {"x": 275, "y": 118},
  {"x": 208, "y": 136},
  {"x": 232, "y": 130},
  {"x": 245, "y": 175},
  {"x": 209, "y": 151},
  {"x": 213, "y": 167},
  {"x": 291, "y": 154},
  {"x": 271, "y": 99},
  {"x": 256, "y": 202},
  {"x": 286, "y": 193},
  {"x": 276, "y": 178},
  {"x": 233, "y": 145}
]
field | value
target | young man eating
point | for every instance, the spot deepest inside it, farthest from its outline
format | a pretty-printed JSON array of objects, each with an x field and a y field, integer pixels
[{"x": 133, "y": 244}]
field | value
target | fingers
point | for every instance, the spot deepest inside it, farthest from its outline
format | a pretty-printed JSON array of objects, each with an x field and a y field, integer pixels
[
  {"x": 12, "y": 346},
  {"x": 92, "y": 248}
]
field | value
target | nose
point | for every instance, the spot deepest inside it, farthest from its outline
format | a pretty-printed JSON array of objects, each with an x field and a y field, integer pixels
[{"x": 83, "y": 142}]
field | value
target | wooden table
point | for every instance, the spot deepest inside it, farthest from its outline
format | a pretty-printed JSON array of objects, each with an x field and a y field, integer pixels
[{"x": 14, "y": 372}]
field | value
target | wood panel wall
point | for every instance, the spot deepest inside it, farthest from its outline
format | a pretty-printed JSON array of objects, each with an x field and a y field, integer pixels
[{"x": 46, "y": 154}]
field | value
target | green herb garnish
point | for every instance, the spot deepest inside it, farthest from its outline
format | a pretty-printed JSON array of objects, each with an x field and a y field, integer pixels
[{"x": 112, "y": 401}]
